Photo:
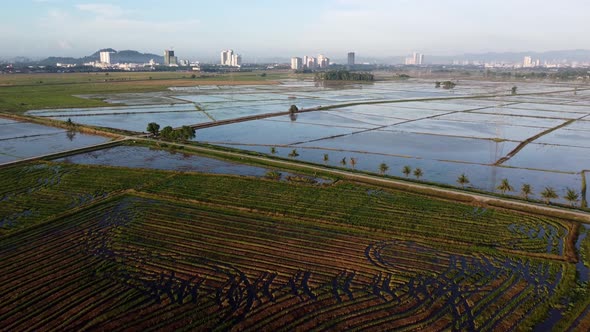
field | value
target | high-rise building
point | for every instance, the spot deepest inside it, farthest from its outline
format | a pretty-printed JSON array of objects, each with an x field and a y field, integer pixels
[
  {"x": 296, "y": 63},
  {"x": 169, "y": 58},
  {"x": 416, "y": 59},
  {"x": 231, "y": 59},
  {"x": 226, "y": 57},
  {"x": 351, "y": 59},
  {"x": 105, "y": 57},
  {"x": 309, "y": 62},
  {"x": 236, "y": 60},
  {"x": 528, "y": 62},
  {"x": 323, "y": 62}
]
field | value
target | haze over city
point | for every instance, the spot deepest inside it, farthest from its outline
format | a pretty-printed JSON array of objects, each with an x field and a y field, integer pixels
[{"x": 377, "y": 28}]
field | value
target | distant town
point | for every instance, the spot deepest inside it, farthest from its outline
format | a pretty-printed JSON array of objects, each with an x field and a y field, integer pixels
[{"x": 232, "y": 61}]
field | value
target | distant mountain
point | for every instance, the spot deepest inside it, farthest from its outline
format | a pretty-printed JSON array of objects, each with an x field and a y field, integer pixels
[{"x": 126, "y": 56}]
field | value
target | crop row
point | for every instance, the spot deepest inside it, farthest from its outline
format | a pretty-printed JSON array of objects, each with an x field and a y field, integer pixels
[
  {"x": 56, "y": 188},
  {"x": 44, "y": 190},
  {"x": 407, "y": 214},
  {"x": 177, "y": 264}
]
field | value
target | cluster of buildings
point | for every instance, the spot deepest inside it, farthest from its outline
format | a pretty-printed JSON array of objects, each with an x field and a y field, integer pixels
[
  {"x": 416, "y": 59},
  {"x": 309, "y": 62},
  {"x": 106, "y": 63},
  {"x": 527, "y": 62},
  {"x": 231, "y": 59}
]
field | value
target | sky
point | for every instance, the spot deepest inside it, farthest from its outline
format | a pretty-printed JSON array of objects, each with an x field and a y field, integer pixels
[{"x": 267, "y": 28}]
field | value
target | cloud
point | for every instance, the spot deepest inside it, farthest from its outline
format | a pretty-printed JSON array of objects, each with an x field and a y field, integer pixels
[
  {"x": 70, "y": 30},
  {"x": 101, "y": 10}
]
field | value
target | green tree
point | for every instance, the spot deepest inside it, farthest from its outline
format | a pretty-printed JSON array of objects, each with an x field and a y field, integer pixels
[
  {"x": 326, "y": 158},
  {"x": 526, "y": 190},
  {"x": 273, "y": 150},
  {"x": 463, "y": 180},
  {"x": 505, "y": 186},
  {"x": 418, "y": 173},
  {"x": 513, "y": 90},
  {"x": 571, "y": 196},
  {"x": 294, "y": 154},
  {"x": 187, "y": 133},
  {"x": 548, "y": 194},
  {"x": 407, "y": 171},
  {"x": 383, "y": 168},
  {"x": 343, "y": 161},
  {"x": 153, "y": 128},
  {"x": 437, "y": 84},
  {"x": 293, "y": 109},
  {"x": 69, "y": 123},
  {"x": 167, "y": 133}
]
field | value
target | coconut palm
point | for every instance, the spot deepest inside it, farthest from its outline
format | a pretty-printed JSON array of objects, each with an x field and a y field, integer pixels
[
  {"x": 571, "y": 196},
  {"x": 463, "y": 180},
  {"x": 505, "y": 186},
  {"x": 526, "y": 190},
  {"x": 326, "y": 158},
  {"x": 407, "y": 171},
  {"x": 383, "y": 168},
  {"x": 294, "y": 154},
  {"x": 418, "y": 173},
  {"x": 548, "y": 194}
]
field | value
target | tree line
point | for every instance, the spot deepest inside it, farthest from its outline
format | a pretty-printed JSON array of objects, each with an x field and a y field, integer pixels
[
  {"x": 183, "y": 133},
  {"x": 343, "y": 75}
]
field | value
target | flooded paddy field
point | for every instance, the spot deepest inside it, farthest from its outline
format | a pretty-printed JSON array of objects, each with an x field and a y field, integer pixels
[
  {"x": 469, "y": 131},
  {"x": 213, "y": 103},
  {"x": 21, "y": 140},
  {"x": 170, "y": 160}
]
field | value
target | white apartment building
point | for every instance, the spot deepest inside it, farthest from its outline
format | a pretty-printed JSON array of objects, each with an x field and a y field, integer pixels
[
  {"x": 231, "y": 59},
  {"x": 296, "y": 63},
  {"x": 105, "y": 57},
  {"x": 323, "y": 62}
]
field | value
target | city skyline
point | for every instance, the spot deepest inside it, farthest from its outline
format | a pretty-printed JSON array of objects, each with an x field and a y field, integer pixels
[{"x": 39, "y": 28}]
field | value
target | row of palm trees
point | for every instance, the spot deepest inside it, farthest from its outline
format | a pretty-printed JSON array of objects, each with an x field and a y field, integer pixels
[{"x": 526, "y": 190}]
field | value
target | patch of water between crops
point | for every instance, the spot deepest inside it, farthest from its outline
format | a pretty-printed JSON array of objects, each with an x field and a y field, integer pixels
[
  {"x": 150, "y": 158},
  {"x": 38, "y": 145}
]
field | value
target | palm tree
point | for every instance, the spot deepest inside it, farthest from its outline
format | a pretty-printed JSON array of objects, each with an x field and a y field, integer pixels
[
  {"x": 548, "y": 194},
  {"x": 572, "y": 196},
  {"x": 352, "y": 162},
  {"x": 526, "y": 190},
  {"x": 343, "y": 161},
  {"x": 505, "y": 186},
  {"x": 383, "y": 168},
  {"x": 463, "y": 180},
  {"x": 418, "y": 173},
  {"x": 326, "y": 158},
  {"x": 273, "y": 150},
  {"x": 294, "y": 154},
  {"x": 407, "y": 171}
]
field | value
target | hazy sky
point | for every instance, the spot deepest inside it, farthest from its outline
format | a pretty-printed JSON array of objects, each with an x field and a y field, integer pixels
[{"x": 262, "y": 28}]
